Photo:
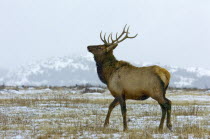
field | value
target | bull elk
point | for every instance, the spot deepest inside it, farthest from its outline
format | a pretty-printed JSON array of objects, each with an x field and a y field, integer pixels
[{"x": 126, "y": 81}]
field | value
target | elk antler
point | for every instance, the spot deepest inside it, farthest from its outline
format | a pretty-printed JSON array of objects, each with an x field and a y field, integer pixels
[{"x": 118, "y": 39}]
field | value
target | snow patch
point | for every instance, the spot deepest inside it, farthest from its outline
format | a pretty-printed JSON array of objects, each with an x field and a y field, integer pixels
[{"x": 184, "y": 82}]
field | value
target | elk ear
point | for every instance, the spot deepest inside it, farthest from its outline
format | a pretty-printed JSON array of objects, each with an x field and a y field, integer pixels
[{"x": 111, "y": 47}]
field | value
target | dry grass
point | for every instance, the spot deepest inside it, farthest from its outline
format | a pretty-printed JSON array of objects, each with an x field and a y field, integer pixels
[{"x": 59, "y": 113}]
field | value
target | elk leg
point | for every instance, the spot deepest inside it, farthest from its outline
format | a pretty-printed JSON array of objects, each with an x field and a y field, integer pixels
[
  {"x": 168, "y": 124},
  {"x": 123, "y": 110},
  {"x": 114, "y": 103},
  {"x": 166, "y": 105},
  {"x": 163, "y": 117}
]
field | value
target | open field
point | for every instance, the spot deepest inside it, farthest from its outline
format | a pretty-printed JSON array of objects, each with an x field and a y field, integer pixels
[{"x": 79, "y": 112}]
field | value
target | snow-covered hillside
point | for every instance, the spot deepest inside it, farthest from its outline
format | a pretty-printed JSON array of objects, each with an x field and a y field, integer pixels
[
  {"x": 62, "y": 71},
  {"x": 54, "y": 71}
]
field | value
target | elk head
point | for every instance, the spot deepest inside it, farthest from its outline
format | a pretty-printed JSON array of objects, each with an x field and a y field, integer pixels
[{"x": 109, "y": 43}]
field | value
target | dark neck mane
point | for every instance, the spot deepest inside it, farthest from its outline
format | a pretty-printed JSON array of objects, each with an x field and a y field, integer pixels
[{"x": 105, "y": 64}]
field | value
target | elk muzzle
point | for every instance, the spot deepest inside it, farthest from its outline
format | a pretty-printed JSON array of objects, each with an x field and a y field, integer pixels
[{"x": 89, "y": 48}]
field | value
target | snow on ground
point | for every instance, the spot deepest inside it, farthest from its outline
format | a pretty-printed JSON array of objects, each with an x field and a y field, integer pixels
[
  {"x": 69, "y": 112},
  {"x": 28, "y": 91},
  {"x": 191, "y": 98}
]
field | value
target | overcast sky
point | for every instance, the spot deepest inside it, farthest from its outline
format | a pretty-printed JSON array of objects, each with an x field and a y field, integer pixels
[{"x": 171, "y": 32}]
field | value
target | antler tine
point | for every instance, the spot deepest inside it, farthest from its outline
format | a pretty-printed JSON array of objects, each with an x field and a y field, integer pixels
[
  {"x": 102, "y": 38},
  {"x": 109, "y": 37},
  {"x": 122, "y": 33},
  {"x": 133, "y": 36},
  {"x": 124, "y": 28},
  {"x": 127, "y": 32},
  {"x": 112, "y": 38},
  {"x": 105, "y": 42},
  {"x": 126, "y": 38}
]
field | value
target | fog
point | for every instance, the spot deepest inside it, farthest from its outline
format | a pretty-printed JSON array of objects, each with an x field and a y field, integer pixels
[{"x": 170, "y": 32}]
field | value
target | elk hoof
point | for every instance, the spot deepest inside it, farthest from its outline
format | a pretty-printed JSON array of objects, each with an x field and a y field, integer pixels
[
  {"x": 170, "y": 127},
  {"x": 125, "y": 129},
  {"x": 160, "y": 130},
  {"x": 106, "y": 124}
]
